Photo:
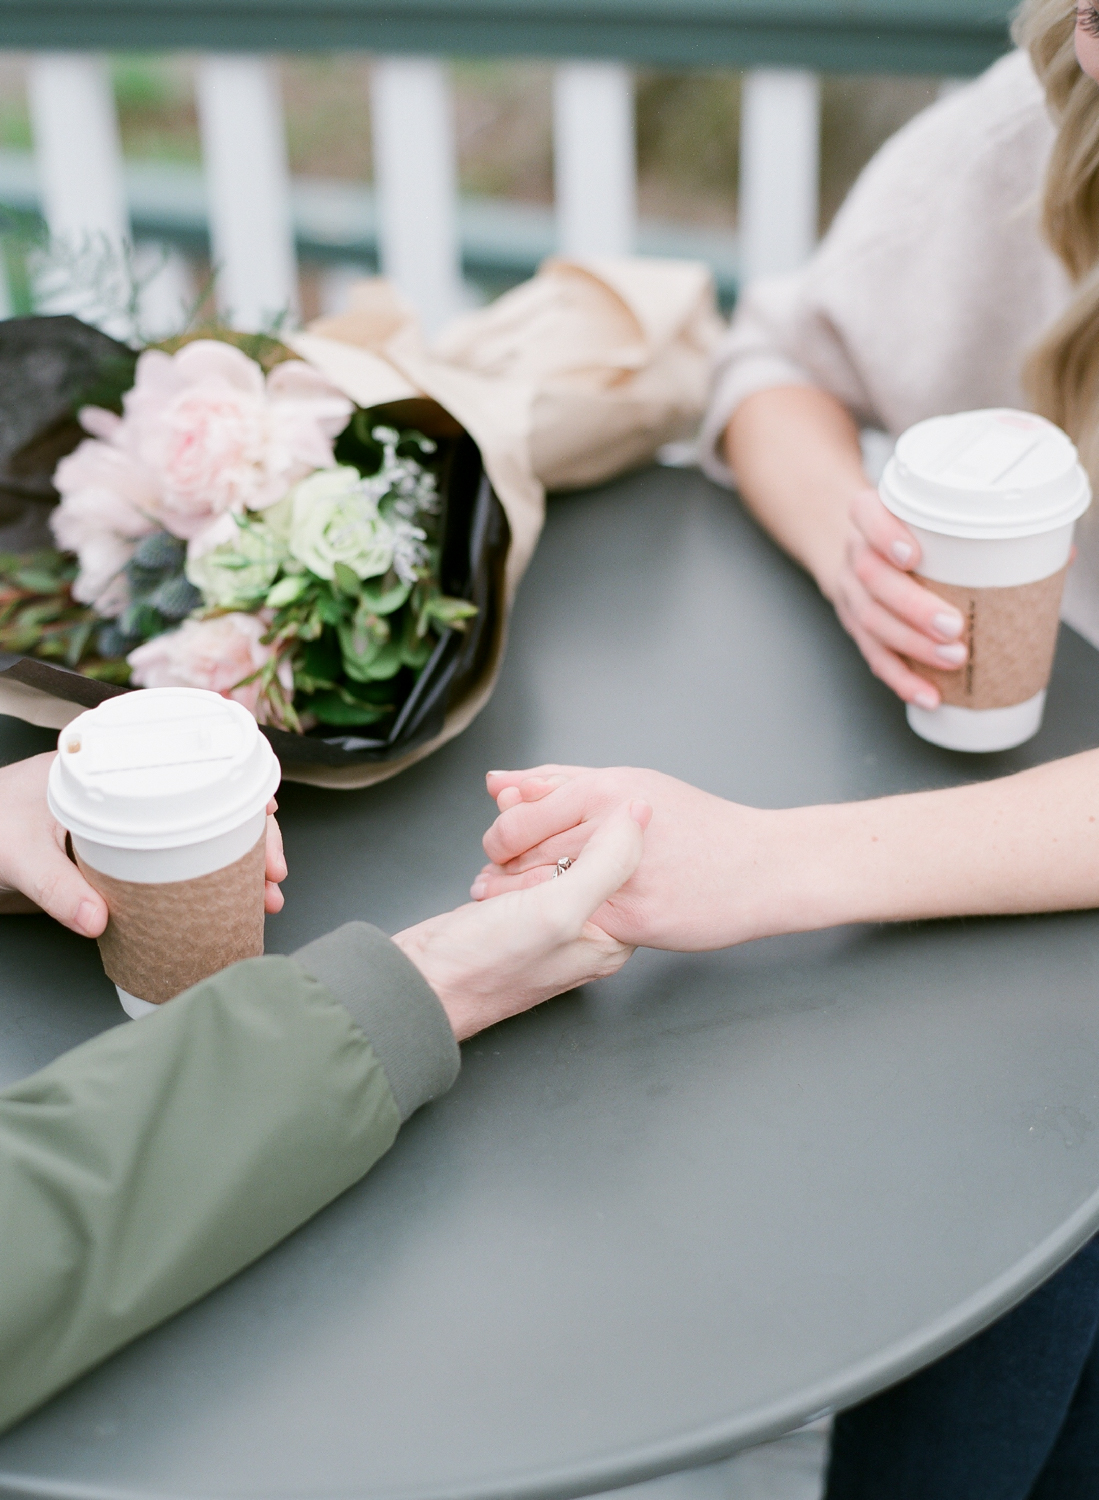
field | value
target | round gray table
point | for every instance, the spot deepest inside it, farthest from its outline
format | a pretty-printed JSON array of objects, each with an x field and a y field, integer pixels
[{"x": 657, "y": 1219}]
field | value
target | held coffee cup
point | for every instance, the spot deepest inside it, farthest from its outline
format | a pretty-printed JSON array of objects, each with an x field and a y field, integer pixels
[
  {"x": 164, "y": 794},
  {"x": 992, "y": 497}
]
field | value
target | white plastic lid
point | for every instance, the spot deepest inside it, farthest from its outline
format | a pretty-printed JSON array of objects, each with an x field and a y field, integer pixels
[
  {"x": 161, "y": 768},
  {"x": 986, "y": 474}
]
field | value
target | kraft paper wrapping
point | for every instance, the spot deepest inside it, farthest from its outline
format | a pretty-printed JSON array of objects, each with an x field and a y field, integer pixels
[
  {"x": 161, "y": 939},
  {"x": 1012, "y": 636},
  {"x": 614, "y": 354}
]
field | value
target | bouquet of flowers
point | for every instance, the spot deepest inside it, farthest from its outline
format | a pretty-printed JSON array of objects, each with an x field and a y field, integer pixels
[{"x": 232, "y": 521}]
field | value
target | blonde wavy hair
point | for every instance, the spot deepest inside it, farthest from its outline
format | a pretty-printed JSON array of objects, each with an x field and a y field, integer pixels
[{"x": 1061, "y": 374}]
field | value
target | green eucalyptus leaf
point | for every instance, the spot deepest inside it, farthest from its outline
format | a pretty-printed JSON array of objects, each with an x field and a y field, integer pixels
[
  {"x": 108, "y": 671},
  {"x": 358, "y": 649},
  {"x": 79, "y": 637},
  {"x": 321, "y": 658},
  {"x": 450, "y": 611},
  {"x": 368, "y": 623},
  {"x": 141, "y": 620},
  {"x": 330, "y": 610},
  {"x": 37, "y": 581},
  {"x": 19, "y": 637},
  {"x": 416, "y": 650},
  {"x": 348, "y": 580},
  {"x": 287, "y": 591},
  {"x": 333, "y": 708},
  {"x": 43, "y": 613},
  {"x": 383, "y": 664},
  {"x": 382, "y": 600}
]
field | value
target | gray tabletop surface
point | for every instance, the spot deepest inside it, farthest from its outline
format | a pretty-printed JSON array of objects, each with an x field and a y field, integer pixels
[{"x": 662, "y": 1217}]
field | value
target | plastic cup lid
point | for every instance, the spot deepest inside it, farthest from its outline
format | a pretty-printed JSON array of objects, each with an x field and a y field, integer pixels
[
  {"x": 161, "y": 768},
  {"x": 986, "y": 474}
]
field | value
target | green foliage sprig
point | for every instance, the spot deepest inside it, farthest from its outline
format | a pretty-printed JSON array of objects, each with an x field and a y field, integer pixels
[{"x": 40, "y": 617}]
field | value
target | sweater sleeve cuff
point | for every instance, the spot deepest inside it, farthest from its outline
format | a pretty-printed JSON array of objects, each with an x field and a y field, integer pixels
[{"x": 390, "y": 1001}]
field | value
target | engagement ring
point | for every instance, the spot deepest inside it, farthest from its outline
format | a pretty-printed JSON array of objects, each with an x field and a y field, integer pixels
[{"x": 561, "y": 866}]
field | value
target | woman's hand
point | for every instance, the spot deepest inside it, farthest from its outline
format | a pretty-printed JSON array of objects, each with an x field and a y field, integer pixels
[
  {"x": 37, "y": 875},
  {"x": 492, "y": 961},
  {"x": 798, "y": 463},
  {"x": 887, "y": 613},
  {"x": 695, "y": 886}
]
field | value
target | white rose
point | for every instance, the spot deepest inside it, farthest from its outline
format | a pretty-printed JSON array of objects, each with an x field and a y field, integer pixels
[{"x": 335, "y": 519}]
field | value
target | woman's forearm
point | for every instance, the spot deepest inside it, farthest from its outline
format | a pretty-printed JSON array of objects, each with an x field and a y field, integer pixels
[
  {"x": 796, "y": 456},
  {"x": 1024, "y": 843}
]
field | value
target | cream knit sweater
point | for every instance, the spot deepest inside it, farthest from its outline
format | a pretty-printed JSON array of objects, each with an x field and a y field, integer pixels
[{"x": 928, "y": 289}]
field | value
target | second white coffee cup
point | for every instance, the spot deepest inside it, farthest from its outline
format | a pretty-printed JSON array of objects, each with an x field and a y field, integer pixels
[{"x": 992, "y": 498}]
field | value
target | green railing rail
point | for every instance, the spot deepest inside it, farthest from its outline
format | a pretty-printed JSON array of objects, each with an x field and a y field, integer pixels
[{"x": 954, "y": 37}]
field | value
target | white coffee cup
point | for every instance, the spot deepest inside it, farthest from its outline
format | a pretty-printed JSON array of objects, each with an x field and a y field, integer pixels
[
  {"x": 164, "y": 794},
  {"x": 992, "y": 497}
]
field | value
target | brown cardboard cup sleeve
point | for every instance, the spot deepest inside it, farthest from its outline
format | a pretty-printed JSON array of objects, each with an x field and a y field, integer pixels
[
  {"x": 1011, "y": 634},
  {"x": 161, "y": 939}
]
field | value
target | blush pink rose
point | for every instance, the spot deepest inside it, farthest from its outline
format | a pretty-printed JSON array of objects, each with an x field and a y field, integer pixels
[{"x": 216, "y": 654}]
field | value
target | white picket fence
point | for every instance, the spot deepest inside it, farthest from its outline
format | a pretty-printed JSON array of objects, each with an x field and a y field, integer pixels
[{"x": 79, "y": 164}]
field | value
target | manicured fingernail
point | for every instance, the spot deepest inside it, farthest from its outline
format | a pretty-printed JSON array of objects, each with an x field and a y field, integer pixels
[
  {"x": 87, "y": 917},
  {"x": 901, "y": 552},
  {"x": 641, "y": 812},
  {"x": 477, "y": 889},
  {"x": 952, "y": 656},
  {"x": 948, "y": 623},
  {"x": 924, "y": 699}
]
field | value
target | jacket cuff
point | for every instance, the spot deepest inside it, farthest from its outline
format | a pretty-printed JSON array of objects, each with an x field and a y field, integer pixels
[{"x": 391, "y": 1001}]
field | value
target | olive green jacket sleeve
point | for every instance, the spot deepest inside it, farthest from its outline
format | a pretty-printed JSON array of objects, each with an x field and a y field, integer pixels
[{"x": 142, "y": 1169}]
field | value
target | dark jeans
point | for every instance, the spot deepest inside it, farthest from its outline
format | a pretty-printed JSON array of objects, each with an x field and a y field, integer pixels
[{"x": 1012, "y": 1415}]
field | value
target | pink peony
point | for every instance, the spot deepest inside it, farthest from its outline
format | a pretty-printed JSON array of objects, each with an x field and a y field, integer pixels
[
  {"x": 216, "y": 436},
  {"x": 106, "y": 507},
  {"x": 216, "y": 654},
  {"x": 203, "y": 434},
  {"x": 101, "y": 580}
]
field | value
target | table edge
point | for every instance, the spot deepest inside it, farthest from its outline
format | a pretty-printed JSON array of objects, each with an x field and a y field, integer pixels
[{"x": 720, "y": 1440}]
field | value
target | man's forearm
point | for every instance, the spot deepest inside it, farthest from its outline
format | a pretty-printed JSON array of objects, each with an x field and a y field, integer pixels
[
  {"x": 142, "y": 1169},
  {"x": 797, "y": 461},
  {"x": 1023, "y": 843}
]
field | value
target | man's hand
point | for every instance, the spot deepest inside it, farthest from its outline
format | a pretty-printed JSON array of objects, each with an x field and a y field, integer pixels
[
  {"x": 693, "y": 886},
  {"x": 37, "y": 875},
  {"x": 494, "y": 960}
]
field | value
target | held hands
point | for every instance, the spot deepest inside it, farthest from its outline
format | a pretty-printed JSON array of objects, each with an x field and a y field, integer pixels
[
  {"x": 487, "y": 962},
  {"x": 37, "y": 875},
  {"x": 694, "y": 885},
  {"x": 889, "y": 614}
]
